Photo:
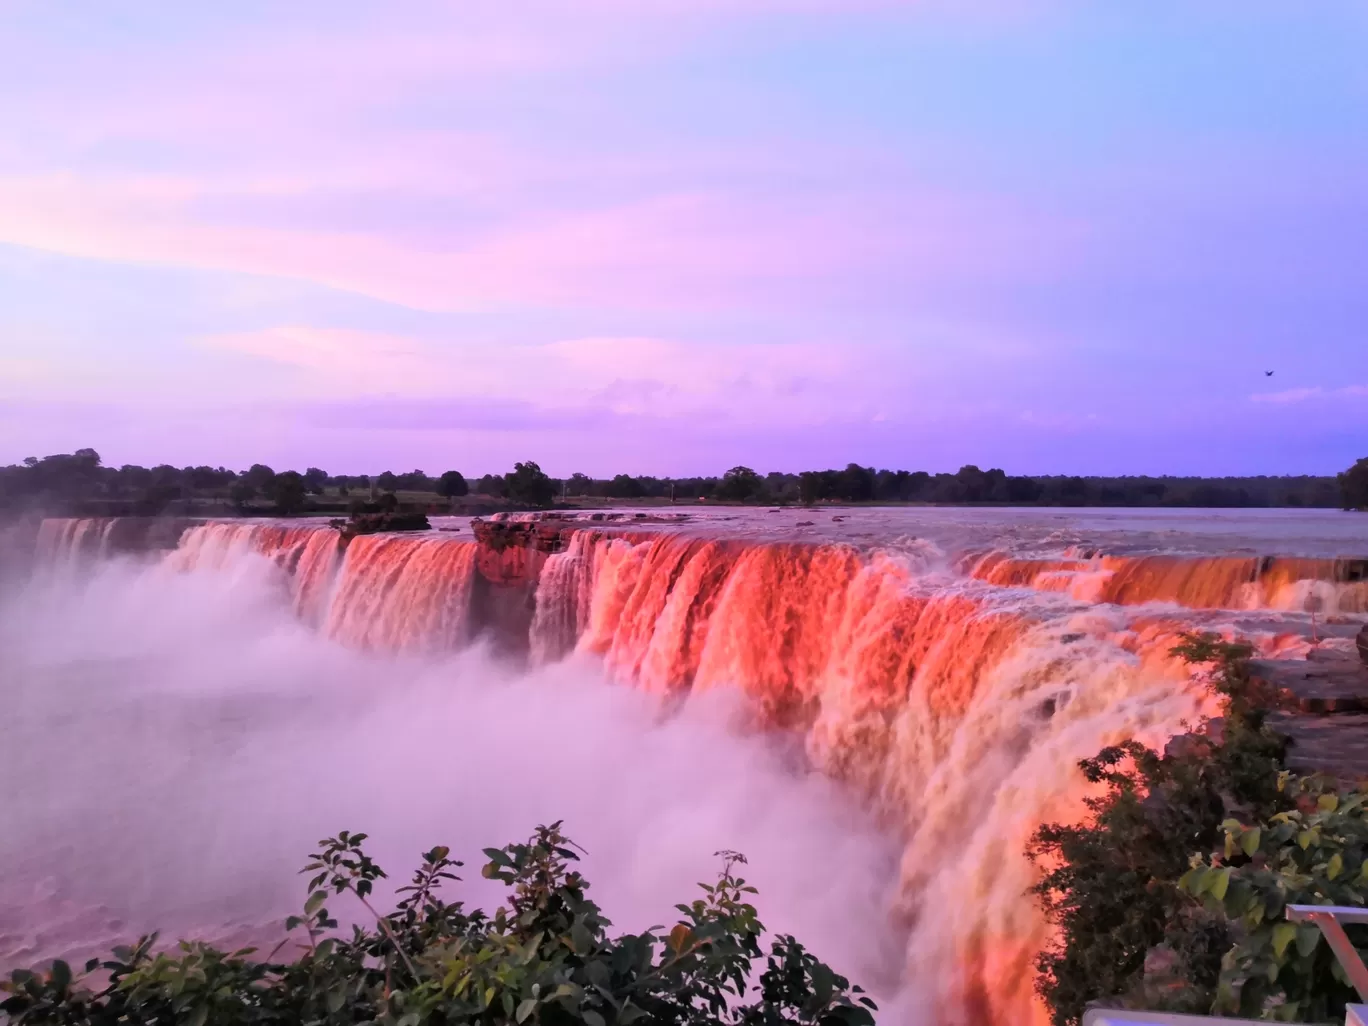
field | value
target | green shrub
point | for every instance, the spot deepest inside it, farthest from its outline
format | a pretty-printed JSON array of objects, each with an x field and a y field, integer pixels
[
  {"x": 1314, "y": 853},
  {"x": 1111, "y": 884},
  {"x": 544, "y": 957}
]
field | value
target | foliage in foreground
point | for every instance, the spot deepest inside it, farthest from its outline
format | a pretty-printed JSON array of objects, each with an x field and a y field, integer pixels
[
  {"x": 545, "y": 957},
  {"x": 1113, "y": 883},
  {"x": 1173, "y": 896},
  {"x": 1314, "y": 853}
]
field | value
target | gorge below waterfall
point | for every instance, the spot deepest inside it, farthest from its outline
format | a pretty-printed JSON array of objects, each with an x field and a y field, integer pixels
[{"x": 879, "y": 707}]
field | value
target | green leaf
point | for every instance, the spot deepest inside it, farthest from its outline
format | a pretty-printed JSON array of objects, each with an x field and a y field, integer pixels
[
  {"x": 1191, "y": 881},
  {"x": 593, "y": 1018},
  {"x": 1220, "y": 884},
  {"x": 1308, "y": 936},
  {"x": 1335, "y": 866},
  {"x": 337, "y": 997},
  {"x": 1283, "y": 935},
  {"x": 525, "y": 1009},
  {"x": 1249, "y": 843},
  {"x": 1327, "y": 802},
  {"x": 316, "y": 899}
]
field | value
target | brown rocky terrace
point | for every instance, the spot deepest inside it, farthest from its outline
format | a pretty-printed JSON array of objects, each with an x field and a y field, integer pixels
[{"x": 1322, "y": 705}]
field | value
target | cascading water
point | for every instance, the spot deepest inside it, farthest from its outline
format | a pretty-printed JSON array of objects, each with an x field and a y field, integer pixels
[
  {"x": 952, "y": 697},
  {"x": 564, "y": 599},
  {"x": 66, "y": 544},
  {"x": 1209, "y": 582}
]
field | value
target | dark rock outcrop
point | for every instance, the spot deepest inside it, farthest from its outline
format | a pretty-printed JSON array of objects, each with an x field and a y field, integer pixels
[
  {"x": 374, "y": 523},
  {"x": 1321, "y": 704}
]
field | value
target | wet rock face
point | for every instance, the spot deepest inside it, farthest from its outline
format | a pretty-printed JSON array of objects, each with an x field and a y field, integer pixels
[
  {"x": 544, "y": 536},
  {"x": 1363, "y": 644}
]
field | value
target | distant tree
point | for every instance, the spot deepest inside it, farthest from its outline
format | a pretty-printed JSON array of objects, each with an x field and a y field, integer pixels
[
  {"x": 387, "y": 503},
  {"x": 973, "y": 483},
  {"x": 491, "y": 484},
  {"x": 289, "y": 492},
  {"x": 207, "y": 479},
  {"x": 580, "y": 484},
  {"x": 857, "y": 483},
  {"x": 241, "y": 492},
  {"x": 315, "y": 480},
  {"x": 387, "y": 482},
  {"x": 1354, "y": 486},
  {"x": 625, "y": 487},
  {"x": 415, "y": 481},
  {"x": 1074, "y": 491},
  {"x": 259, "y": 477},
  {"x": 995, "y": 485},
  {"x": 781, "y": 487},
  {"x": 740, "y": 484},
  {"x": 527, "y": 484},
  {"x": 452, "y": 485},
  {"x": 1024, "y": 489},
  {"x": 815, "y": 485}
]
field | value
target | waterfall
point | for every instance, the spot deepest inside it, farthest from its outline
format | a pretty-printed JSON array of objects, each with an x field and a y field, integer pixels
[
  {"x": 1196, "y": 582},
  {"x": 954, "y": 697}
]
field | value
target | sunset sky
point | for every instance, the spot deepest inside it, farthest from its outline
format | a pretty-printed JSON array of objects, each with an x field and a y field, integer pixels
[{"x": 671, "y": 236}]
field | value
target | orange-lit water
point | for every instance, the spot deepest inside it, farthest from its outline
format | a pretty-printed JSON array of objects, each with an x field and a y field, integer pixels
[{"x": 949, "y": 676}]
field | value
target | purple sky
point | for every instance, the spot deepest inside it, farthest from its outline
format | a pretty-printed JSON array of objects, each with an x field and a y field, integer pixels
[{"x": 670, "y": 236}]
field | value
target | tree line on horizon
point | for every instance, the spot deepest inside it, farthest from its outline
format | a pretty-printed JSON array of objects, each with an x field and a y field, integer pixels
[{"x": 81, "y": 477}]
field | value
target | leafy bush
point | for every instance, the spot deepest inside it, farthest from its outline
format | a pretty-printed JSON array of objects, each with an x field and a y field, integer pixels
[
  {"x": 1112, "y": 884},
  {"x": 1314, "y": 853},
  {"x": 545, "y": 957}
]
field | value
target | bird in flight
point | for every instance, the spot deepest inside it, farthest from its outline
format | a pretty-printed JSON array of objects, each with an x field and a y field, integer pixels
[{"x": 1268, "y": 374}]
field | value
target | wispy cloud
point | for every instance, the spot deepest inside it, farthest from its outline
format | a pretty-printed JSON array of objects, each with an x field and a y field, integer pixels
[
  {"x": 616, "y": 375},
  {"x": 674, "y": 251},
  {"x": 1317, "y": 393},
  {"x": 724, "y": 220}
]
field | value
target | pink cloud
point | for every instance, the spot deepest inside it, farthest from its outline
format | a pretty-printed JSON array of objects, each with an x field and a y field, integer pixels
[
  {"x": 674, "y": 251},
  {"x": 622, "y": 376},
  {"x": 249, "y": 126}
]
